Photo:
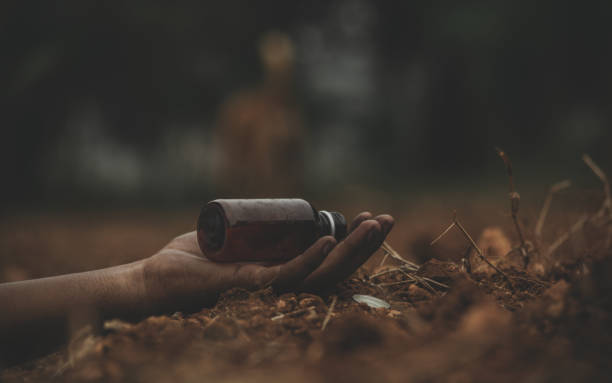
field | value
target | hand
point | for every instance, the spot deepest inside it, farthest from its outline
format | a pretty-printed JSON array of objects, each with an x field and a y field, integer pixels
[{"x": 180, "y": 277}]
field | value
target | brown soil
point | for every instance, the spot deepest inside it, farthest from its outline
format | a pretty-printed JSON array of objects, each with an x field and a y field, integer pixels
[{"x": 551, "y": 322}]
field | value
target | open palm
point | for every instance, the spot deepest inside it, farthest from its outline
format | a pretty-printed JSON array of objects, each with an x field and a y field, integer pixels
[{"x": 179, "y": 276}]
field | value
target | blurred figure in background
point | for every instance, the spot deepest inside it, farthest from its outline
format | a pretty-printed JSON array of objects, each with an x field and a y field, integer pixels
[{"x": 260, "y": 132}]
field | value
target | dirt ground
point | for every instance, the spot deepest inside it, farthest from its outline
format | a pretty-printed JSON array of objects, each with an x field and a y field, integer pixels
[{"x": 544, "y": 316}]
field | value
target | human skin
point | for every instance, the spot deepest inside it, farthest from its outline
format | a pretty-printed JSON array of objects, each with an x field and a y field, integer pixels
[{"x": 37, "y": 315}]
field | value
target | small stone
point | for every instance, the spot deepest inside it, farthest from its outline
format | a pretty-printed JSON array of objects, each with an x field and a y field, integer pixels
[
  {"x": 394, "y": 313},
  {"x": 371, "y": 301}
]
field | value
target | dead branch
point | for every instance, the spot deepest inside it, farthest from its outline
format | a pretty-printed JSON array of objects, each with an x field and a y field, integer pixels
[
  {"x": 479, "y": 252},
  {"x": 565, "y": 236},
  {"x": 598, "y": 172},
  {"x": 407, "y": 268},
  {"x": 394, "y": 283},
  {"x": 546, "y": 207},
  {"x": 442, "y": 234},
  {"x": 508, "y": 164},
  {"x": 384, "y": 259},
  {"x": 296, "y": 312},
  {"x": 384, "y": 272},
  {"x": 418, "y": 279},
  {"x": 606, "y": 206},
  {"x": 329, "y": 312},
  {"x": 413, "y": 278},
  {"x": 515, "y": 199},
  {"x": 458, "y": 224},
  {"x": 602, "y": 217},
  {"x": 395, "y": 255}
]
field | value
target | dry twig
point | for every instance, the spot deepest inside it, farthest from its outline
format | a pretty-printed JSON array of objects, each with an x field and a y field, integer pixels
[
  {"x": 390, "y": 270},
  {"x": 412, "y": 278},
  {"x": 602, "y": 217},
  {"x": 329, "y": 312},
  {"x": 515, "y": 199},
  {"x": 384, "y": 259},
  {"x": 442, "y": 234},
  {"x": 298, "y": 311},
  {"x": 565, "y": 236},
  {"x": 479, "y": 252},
  {"x": 407, "y": 268},
  {"x": 395, "y": 255},
  {"x": 418, "y": 279},
  {"x": 606, "y": 206},
  {"x": 546, "y": 207},
  {"x": 607, "y": 203}
]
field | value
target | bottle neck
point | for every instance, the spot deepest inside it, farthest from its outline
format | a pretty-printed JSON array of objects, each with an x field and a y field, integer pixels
[{"x": 332, "y": 223}]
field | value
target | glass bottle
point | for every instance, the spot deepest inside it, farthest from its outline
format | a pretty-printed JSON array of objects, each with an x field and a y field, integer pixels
[{"x": 265, "y": 230}]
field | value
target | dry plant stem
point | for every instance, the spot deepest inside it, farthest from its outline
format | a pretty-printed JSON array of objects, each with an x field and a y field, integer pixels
[
  {"x": 407, "y": 268},
  {"x": 534, "y": 280},
  {"x": 382, "y": 291},
  {"x": 299, "y": 311},
  {"x": 440, "y": 284},
  {"x": 417, "y": 279},
  {"x": 547, "y": 202},
  {"x": 474, "y": 245},
  {"x": 520, "y": 233},
  {"x": 515, "y": 198},
  {"x": 422, "y": 281},
  {"x": 395, "y": 255},
  {"x": 384, "y": 259},
  {"x": 607, "y": 203},
  {"x": 563, "y": 238},
  {"x": 412, "y": 279},
  {"x": 395, "y": 283},
  {"x": 508, "y": 164},
  {"x": 479, "y": 252},
  {"x": 601, "y": 175},
  {"x": 329, "y": 312},
  {"x": 442, "y": 234},
  {"x": 385, "y": 272},
  {"x": 602, "y": 217}
]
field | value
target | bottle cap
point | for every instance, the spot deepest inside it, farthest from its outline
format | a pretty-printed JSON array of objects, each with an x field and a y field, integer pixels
[{"x": 334, "y": 224}]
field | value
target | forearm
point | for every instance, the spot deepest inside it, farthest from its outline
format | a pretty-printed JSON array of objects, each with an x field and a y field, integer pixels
[{"x": 41, "y": 311}]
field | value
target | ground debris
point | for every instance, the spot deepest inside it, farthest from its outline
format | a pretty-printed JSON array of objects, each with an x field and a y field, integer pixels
[{"x": 444, "y": 323}]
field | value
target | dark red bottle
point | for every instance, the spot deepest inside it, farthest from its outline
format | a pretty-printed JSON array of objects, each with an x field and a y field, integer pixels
[{"x": 266, "y": 230}]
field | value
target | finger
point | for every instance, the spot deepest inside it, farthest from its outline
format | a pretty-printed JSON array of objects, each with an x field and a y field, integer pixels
[
  {"x": 386, "y": 223},
  {"x": 347, "y": 256},
  {"x": 358, "y": 219},
  {"x": 293, "y": 273}
]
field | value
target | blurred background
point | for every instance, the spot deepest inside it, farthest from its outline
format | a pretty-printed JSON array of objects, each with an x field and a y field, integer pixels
[{"x": 137, "y": 107}]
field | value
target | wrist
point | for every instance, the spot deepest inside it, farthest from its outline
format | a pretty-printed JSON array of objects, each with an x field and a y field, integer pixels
[
  {"x": 175, "y": 281},
  {"x": 122, "y": 291}
]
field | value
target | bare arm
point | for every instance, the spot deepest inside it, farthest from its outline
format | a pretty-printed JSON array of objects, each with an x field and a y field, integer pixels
[{"x": 38, "y": 314}]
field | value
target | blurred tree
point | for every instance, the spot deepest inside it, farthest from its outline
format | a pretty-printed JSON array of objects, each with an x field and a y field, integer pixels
[
  {"x": 260, "y": 130},
  {"x": 424, "y": 85}
]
